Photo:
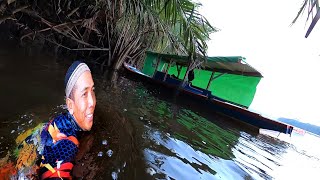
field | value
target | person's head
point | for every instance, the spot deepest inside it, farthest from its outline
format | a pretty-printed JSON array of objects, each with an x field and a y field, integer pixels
[{"x": 80, "y": 96}]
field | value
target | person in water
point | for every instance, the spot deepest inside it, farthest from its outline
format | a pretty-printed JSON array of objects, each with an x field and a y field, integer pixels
[
  {"x": 191, "y": 76},
  {"x": 59, "y": 137}
]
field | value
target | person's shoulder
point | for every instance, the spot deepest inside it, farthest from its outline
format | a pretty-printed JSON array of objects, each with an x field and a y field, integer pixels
[
  {"x": 61, "y": 123},
  {"x": 62, "y": 120},
  {"x": 65, "y": 123},
  {"x": 61, "y": 117}
]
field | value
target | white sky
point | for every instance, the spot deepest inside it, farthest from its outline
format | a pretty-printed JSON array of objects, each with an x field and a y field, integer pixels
[{"x": 290, "y": 63}]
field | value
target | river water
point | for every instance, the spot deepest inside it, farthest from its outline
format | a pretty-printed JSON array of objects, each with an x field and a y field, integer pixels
[{"x": 140, "y": 132}]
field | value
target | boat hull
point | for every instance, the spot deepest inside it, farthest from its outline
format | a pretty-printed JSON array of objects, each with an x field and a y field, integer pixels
[{"x": 204, "y": 97}]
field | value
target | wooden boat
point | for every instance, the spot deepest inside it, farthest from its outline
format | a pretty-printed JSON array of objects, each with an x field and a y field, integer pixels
[{"x": 207, "y": 99}]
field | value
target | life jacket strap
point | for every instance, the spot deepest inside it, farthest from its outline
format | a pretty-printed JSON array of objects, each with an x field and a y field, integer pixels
[
  {"x": 71, "y": 138},
  {"x": 62, "y": 172}
]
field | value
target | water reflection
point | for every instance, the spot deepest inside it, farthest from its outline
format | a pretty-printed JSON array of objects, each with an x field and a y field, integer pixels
[{"x": 178, "y": 143}]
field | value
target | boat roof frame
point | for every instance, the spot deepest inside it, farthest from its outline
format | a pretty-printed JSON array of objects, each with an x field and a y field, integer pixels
[{"x": 222, "y": 64}]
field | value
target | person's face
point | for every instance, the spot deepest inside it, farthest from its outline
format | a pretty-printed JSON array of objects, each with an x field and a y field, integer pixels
[{"x": 84, "y": 101}]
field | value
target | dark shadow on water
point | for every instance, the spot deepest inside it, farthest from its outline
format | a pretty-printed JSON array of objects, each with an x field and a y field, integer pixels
[
  {"x": 27, "y": 81},
  {"x": 114, "y": 148}
]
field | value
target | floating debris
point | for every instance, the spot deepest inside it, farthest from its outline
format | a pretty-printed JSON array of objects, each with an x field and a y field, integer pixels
[
  {"x": 12, "y": 131},
  {"x": 100, "y": 154},
  {"x": 204, "y": 142},
  {"x": 105, "y": 142},
  {"x": 114, "y": 175},
  {"x": 30, "y": 121},
  {"x": 109, "y": 152},
  {"x": 1, "y": 137},
  {"x": 151, "y": 171},
  {"x": 141, "y": 118},
  {"x": 124, "y": 164},
  {"x": 125, "y": 110}
]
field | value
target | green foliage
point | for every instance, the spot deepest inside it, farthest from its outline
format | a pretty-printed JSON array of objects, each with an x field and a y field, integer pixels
[{"x": 111, "y": 32}]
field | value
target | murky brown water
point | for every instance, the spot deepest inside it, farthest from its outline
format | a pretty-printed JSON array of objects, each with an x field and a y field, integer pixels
[{"x": 140, "y": 132}]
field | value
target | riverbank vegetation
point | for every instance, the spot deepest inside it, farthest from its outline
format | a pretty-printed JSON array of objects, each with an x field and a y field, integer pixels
[{"x": 110, "y": 32}]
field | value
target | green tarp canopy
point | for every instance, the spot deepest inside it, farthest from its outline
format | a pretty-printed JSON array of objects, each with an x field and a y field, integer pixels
[{"x": 234, "y": 79}]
